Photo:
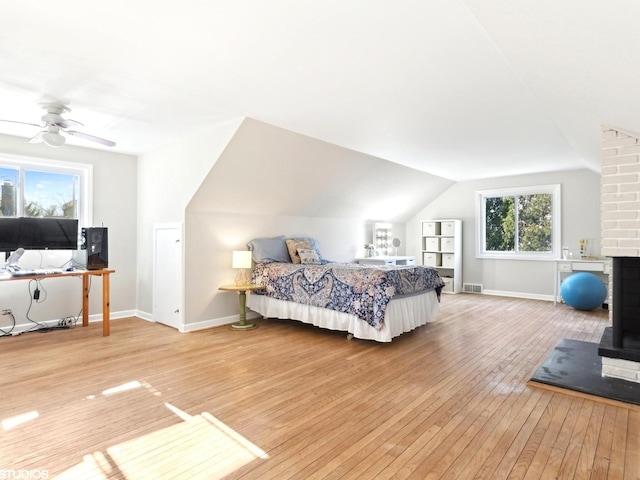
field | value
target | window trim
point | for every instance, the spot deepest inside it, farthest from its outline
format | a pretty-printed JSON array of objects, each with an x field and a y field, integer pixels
[
  {"x": 556, "y": 205},
  {"x": 83, "y": 170}
]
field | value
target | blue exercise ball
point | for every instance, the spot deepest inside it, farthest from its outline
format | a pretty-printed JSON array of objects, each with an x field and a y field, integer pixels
[{"x": 583, "y": 291}]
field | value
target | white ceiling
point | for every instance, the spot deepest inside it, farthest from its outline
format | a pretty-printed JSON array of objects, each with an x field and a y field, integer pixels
[{"x": 458, "y": 88}]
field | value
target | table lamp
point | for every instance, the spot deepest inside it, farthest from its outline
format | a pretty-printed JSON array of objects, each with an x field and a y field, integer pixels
[{"x": 242, "y": 260}]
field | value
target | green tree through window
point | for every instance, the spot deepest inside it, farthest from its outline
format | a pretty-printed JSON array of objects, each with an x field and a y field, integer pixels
[
  {"x": 518, "y": 222},
  {"x": 500, "y": 224},
  {"x": 534, "y": 223}
]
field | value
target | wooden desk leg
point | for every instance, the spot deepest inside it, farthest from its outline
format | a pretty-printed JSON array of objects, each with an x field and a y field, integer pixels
[
  {"x": 85, "y": 300},
  {"x": 105, "y": 306}
]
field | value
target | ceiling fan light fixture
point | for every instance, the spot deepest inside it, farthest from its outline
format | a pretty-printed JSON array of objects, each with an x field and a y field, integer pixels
[
  {"x": 54, "y": 124},
  {"x": 53, "y": 139}
]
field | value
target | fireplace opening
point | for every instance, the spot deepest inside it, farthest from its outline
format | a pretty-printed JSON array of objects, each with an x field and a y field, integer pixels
[{"x": 622, "y": 339}]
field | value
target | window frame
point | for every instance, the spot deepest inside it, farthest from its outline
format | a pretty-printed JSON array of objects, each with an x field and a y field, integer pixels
[
  {"x": 83, "y": 170},
  {"x": 556, "y": 206}
]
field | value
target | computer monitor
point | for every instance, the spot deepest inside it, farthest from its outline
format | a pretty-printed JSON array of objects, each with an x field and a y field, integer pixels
[
  {"x": 48, "y": 233},
  {"x": 35, "y": 233},
  {"x": 9, "y": 234}
]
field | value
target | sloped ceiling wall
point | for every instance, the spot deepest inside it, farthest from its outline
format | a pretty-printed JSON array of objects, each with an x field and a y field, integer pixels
[
  {"x": 270, "y": 181},
  {"x": 579, "y": 60},
  {"x": 495, "y": 88},
  {"x": 271, "y": 171}
]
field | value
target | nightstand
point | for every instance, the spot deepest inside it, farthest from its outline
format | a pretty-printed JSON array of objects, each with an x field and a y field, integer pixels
[{"x": 242, "y": 303}]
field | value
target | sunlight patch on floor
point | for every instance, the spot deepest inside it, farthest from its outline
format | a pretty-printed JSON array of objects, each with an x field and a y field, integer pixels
[
  {"x": 11, "y": 422},
  {"x": 200, "y": 446},
  {"x": 122, "y": 388}
]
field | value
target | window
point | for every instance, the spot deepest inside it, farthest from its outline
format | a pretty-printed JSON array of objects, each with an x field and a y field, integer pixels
[
  {"x": 45, "y": 188},
  {"x": 519, "y": 223}
]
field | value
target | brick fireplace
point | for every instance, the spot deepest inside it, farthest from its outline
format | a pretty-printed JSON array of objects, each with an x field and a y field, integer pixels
[{"x": 620, "y": 220}]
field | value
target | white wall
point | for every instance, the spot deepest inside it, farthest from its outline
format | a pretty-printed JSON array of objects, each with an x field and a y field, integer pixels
[
  {"x": 114, "y": 206},
  {"x": 268, "y": 170},
  {"x": 270, "y": 181},
  {"x": 244, "y": 179},
  {"x": 213, "y": 236},
  {"x": 167, "y": 180},
  {"x": 534, "y": 279}
]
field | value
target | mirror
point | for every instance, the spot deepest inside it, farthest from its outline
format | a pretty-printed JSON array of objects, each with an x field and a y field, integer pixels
[
  {"x": 396, "y": 243},
  {"x": 381, "y": 238}
]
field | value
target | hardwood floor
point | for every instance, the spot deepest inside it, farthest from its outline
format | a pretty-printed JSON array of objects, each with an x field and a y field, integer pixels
[{"x": 449, "y": 400}]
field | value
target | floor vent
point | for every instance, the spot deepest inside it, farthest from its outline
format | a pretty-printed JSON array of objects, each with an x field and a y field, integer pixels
[{"x": 472, "y": 288}]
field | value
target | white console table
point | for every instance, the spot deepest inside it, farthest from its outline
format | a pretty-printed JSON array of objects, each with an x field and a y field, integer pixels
[
  {"x": 387, "y": 260},
  {"x": 567, "y": 267}
]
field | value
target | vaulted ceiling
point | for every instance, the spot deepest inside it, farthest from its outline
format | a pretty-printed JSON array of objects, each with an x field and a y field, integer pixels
[{"x": 458, "y": 88}]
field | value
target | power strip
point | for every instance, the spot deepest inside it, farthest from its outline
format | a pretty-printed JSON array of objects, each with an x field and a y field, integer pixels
[{"x": 65, "y": 323}]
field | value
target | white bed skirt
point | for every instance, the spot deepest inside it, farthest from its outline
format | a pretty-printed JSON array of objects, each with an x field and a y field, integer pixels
[{"x": 402, "y": 315}]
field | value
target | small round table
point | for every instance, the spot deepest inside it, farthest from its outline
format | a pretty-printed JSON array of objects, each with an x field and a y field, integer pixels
[{"x": 242, "y": 303}]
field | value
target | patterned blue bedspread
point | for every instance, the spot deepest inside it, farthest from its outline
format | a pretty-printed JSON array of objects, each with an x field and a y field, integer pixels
[{"x": 361, "y": 290}]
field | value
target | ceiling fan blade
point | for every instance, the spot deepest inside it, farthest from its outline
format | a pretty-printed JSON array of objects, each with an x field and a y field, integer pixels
[
  {"x": 23, "y": 123},
  {"x": 37, "y": 138},
  {"x": 92, "y": 138},
  {"x": 67, "y": 122}
]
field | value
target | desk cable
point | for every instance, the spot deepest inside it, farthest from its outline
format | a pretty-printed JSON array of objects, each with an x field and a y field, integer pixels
[{"x": 7, "y": 333}]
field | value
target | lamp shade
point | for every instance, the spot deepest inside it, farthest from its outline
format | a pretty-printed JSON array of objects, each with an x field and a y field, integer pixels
[{"x": 241, "y": 259}]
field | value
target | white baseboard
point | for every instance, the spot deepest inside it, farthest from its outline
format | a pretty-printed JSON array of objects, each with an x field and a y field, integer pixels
[
  {"x": 215, "y": 322},
  {"x": 530, "y": 296},
  {"x": 203, "y": 325},
  {"x": 114, "y": 315},
  {"x": 96, "y": 318},
  {"x": 144, "y": 316}
]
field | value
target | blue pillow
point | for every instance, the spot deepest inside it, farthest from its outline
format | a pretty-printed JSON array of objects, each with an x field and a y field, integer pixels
[{"x": 268, "y": 250}]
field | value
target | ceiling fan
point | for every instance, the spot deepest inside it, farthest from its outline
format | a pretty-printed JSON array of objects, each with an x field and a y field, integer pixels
[{"x": 54, "y": 124}]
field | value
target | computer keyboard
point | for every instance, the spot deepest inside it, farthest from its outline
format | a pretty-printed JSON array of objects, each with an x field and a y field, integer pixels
[{"x": 22, "y": 272}]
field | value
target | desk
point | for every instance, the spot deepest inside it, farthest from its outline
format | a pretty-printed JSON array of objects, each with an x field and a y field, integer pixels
[
  {"x": 85, "y": 274},
  {"x": 387, "y": 260},
  {"x": 567, "y": 267},
  {"x": 242, "y": 303}
]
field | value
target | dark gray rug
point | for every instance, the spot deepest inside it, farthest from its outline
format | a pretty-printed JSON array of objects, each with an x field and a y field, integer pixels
[{"x": 576, "y": 365}]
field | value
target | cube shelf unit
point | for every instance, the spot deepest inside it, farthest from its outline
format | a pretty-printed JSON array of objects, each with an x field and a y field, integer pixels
[{"x": 442, "y": 249}]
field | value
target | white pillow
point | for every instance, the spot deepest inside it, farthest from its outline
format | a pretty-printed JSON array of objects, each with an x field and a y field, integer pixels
[{"x": 308, "y": 256}]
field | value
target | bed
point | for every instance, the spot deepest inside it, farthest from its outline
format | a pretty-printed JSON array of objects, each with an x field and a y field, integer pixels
[{"x": 369, "y": 302}]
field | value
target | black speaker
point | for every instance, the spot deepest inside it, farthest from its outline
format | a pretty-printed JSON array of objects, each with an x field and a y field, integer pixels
[{"x": 95, "y": 241}]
